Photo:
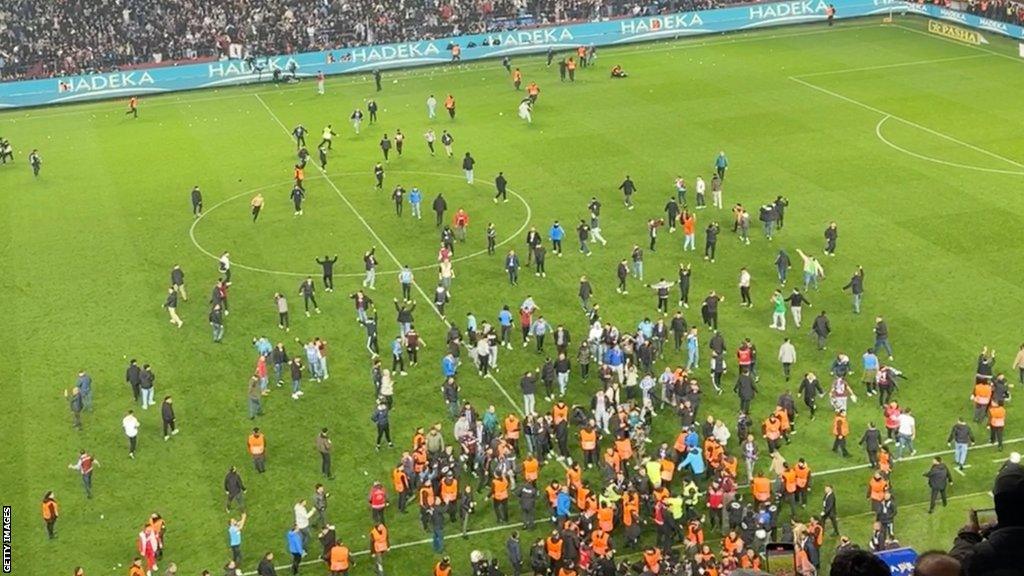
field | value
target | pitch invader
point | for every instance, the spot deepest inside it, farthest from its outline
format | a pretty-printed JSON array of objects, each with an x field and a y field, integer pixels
[
  {"x": 297, "y": 196},
  {"x": 299, "y": 133},
  {"x": 133, "y": 107}
]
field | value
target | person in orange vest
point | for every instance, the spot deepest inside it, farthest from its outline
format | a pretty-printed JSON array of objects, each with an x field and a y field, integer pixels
[
  {"x": 499, "y": 495},
  {"x": 581, "y": 53},
  {"x": 569, "y": 569},
  {"x": 599, "y": 542},
  {"x": 789, "y": 488},
  {"x": 339, "y": 559},
  {"x": 877, "y": 486},
  {"x": 449, "y": 105},
  {"x": 456, "y": 53},
  {"x": 443, "y": 567},
  {"x": 750, "y": 559},
  {"x": 830, "y": 14},
  {"x": 133, "y": 107},
  {"x": 732, "y": 544},
  {"x": 513, "y": 430},
  {"x": 652, "y": 560},
  {"x": 760, "y": 488},
  {"x": 996, "y": 424},
  {"x": 588, "y": 442},
  {"x": 449, "y": 487},
  {"x": 517, "y": 78},
  {"x": 840, "y": 430},
  {"x": 570, "y": 66},
  {"x": 531, "y": 469},
  {"x": 553, "y": 546},
  {"x": 533, "y": 92},
  {"x": 803, "y": 481},
  {"x": 379, "y": 545},
  {"x": 50, "y": 511},
  {"x": 982, "y": 397},
  {"x": 136, "y": 568},
  {"x": 772, "y": 429},
  {"x": 400, "y": 482},
  {"x": 425, "y": 499},
  {"x": 257, "y": 445}
]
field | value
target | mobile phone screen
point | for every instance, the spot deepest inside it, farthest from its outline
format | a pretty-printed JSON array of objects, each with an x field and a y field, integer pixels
[
  {"x": 985, "y": 517},
  {"x": 781, "y": 559}
]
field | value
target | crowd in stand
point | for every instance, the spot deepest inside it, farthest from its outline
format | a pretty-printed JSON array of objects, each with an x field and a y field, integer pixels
[
  {"x": 1003, "y": 10},
  {"x": 47, "y": 39}
]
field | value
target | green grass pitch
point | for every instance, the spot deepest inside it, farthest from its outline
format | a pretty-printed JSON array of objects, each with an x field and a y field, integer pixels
[{"x": 909, "y": 141}]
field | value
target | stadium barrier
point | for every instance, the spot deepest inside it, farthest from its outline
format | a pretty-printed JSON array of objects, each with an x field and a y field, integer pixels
[{"x": 472, "y": 47}]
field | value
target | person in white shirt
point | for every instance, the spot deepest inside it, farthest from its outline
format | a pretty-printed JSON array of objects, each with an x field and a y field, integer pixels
[
  {"x": 787, "y": 355},
  {"x": 700, "y": 188},
  {"x": 906, "y": 432},
  {"x": 302, "y": 516},
  {"x": 745, "y": 288},
  {"x": 721, "y": 433},
  {"x": 224, "y": 265},
  {"x": 431, "y": 107},
  {"x": 131, "y": 429},
  {"x": 525, "y": 111}
]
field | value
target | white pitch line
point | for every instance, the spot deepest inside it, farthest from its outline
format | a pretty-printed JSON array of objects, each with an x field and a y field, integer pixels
[
  {"x": 195, "y": 222},
  {"x": 383, "y": 245},
  {"x": 917, "y": 457},
  {"x": 920, "y": 503},
  {"x": 888, "y": 66},
  {"x": 878, "y": 132},
  {"x": 907, "y": 122}
]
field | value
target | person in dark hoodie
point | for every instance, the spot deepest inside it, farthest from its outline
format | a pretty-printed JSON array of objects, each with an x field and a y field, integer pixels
[{"x": 997, "y": 550}]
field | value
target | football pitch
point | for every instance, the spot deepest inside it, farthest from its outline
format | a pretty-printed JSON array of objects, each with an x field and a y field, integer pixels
[{"x": 910, "y": 142}]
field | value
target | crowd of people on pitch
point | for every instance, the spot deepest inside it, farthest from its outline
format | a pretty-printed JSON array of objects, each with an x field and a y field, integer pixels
[{"x": 52, "y": 39}]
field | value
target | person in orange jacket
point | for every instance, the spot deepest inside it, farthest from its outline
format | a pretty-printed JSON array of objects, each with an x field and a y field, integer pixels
[{"x": 50, "y": 511}]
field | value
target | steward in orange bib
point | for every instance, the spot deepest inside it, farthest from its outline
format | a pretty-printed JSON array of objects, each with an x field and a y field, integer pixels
[
  {"x": 531, "y": 469},
  {"x": 996, "y": 424},
  {"x": 761, "y": 488},
  {"x": 588, "y": 443},
  {"x": 499, "y": 495},
  {"x": 803, "y": 481},
  {"x": 257, "y": 445},
  {"x": 443, "y": 567},
  {"x": 339, "y": 559}
]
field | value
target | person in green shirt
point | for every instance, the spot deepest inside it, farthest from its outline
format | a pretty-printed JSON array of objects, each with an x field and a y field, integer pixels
[{"x": 778, "y": 311}]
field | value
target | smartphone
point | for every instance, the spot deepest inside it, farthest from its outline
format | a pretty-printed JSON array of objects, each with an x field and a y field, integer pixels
[
  {"x": 984, "y": 517},
  {"x": 781, "y": 558}
]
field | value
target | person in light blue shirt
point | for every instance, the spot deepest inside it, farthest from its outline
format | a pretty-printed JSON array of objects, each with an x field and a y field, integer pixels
[
  {"x": 405, "y": 278},
  {"x": 556, "y": 234},
  {"x": 313, "y": 360},
  {"x": 471, "y": 327},
  {"x": 646, "y": 327},
  {"x": 262, "y": 345},
  {"x": 694, "y": 461},
  {"x": 397, "y": 357},
  {"x": 869, "y": 363},
  {"x": 235, "y": 528},
  {"x": 540, "y": 329},
  {"x": 448, "y": 365},
  {"x": 505, "y": 321},
  {"x": 84, "y": 384},
  {"x": 721, "y": 163},
  {"x": 692, "y": 350},
  {"x": 295, "y": 547},
  {"x": 415, "y": 200}
]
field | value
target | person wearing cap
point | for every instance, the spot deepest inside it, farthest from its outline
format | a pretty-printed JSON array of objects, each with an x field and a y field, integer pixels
[{"x": 999, "y": 549}]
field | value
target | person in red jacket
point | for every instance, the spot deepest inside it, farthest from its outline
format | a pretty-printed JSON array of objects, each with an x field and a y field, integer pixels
[{"x": 378, "y": 502}]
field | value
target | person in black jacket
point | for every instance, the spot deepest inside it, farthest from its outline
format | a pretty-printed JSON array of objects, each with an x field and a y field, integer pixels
[
  {"x": 939, "y": 478},
  {"x": 382, "y": 419},
  {"x": 234, "y": 489},
  {"x": 821, "y": 329},
  {"x": 266, "y": 565},
  {"x": 501, "y": 185},
  {"x": 167, "y": 415},
  {"x": 328, "y": 266},
  {"x": 829, "y": 510},
  {"x": 872, "y": 443},
  {"x": 133, "y": 376},
  {"x": 515, "y": 554},
  {"x": 997, "y": 550},
  {"x": 440, "y": 205},
  {"x": 831, "y": 235}
]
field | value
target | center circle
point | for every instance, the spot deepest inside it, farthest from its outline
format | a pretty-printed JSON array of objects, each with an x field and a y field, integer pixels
[{"x": 240, "y": 264}]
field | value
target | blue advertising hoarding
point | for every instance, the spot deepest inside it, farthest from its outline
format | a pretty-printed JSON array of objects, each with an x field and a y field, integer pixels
[
  {"x": 900, "y": 561},
  {"x": 474, "y": 47}
]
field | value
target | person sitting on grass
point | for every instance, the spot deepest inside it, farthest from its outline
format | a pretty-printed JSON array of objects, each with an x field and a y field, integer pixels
[{"x": 618, "y": 72}]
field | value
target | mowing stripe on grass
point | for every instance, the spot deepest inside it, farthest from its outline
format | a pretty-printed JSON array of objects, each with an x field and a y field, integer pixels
[
  {"x": 383, "y": 245},
  {"x": 919, "y": 503},
  {"x": 918, "y": 457},
  {"x": 907, "y": 122}
]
